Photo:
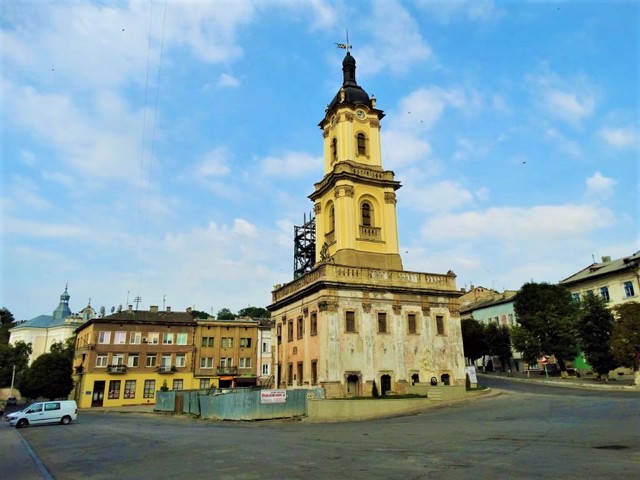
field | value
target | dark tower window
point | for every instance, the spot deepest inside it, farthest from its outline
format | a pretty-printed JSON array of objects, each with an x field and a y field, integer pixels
[
  {"x": 366, "y": 214},
  {"x": 332, "y": 219},
  {"x": 334, "y": 149},
  {"x": 362, "y": 144}
]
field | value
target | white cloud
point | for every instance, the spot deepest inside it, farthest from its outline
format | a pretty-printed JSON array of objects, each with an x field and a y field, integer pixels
[
  {"x": 474, "y": 10},
  {"x": 599, "y": 185},
  {"x": 291, "y": 164},
  {"x": 214, "y": 163},
  {"x": 439, "y": 197},
  {"x": 566, "y": 145},
  {"x": 393, "y": 30},
  {"x": 226, "y": 81},
  {"x": 36, "y": 229},
  {"x": 400, "y": 149},
  {"x": 545, "y": 222},
  {"x": 571, "y": 99},
  {"x": 243, "y": 228},
  {"x": 620, "y": 137}
]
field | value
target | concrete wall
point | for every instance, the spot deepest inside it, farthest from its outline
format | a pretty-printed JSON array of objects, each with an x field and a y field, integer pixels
[{"x": 320, "y": 410}]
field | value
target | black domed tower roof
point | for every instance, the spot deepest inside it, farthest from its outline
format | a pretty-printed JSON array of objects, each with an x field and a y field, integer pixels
[{"x": 353, "y": 93}]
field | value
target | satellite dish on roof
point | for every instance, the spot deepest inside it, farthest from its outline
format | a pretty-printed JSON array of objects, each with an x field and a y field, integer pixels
[
  {"x": 113, "y": 309},
  {"x": 102, "y": 311},
  {"x": 119, "y": 308}
]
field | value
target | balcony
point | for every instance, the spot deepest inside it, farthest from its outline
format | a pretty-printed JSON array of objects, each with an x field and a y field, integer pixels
[
  {"x": 78, "y": 370},
  {"x": 87, "y": 346},
  {"x": 167, "y": 369},
  {"x": 370, "y": 233},
  {"x": 117, "y": 369},
  {"x": 227, "y": 371}
]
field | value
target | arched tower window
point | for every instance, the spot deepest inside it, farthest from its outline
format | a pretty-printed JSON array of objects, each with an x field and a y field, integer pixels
[
  {"x": 332, "y": 219},
  {"x": 362, "y": 144},
  {"x": 367, "y": 214},
  {"x": 334, "y": 149}
]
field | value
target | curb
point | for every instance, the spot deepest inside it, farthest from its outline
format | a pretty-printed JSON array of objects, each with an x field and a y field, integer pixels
[{"x": 567, "y": 384}]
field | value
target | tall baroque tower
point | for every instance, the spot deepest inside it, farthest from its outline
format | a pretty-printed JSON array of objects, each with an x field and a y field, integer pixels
[{"x": 357, "y": 317}]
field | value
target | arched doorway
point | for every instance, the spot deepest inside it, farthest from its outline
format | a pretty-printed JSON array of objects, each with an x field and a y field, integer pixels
[
  {"x": 415, "y": 378},
  {"x": 385, "y": 384},
  {"x": 353, "y": 384},
  {"x": 444, "y": 378}
]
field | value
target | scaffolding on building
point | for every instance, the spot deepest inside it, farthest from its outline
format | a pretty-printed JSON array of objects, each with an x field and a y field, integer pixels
[{"x": 304, "y": 255}]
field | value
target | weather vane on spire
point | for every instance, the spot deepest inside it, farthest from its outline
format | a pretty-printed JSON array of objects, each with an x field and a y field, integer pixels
[{"x": 346, "y": 46}]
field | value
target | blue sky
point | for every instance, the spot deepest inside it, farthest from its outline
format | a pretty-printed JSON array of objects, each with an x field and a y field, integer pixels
[{"x": 166, "y": 149}]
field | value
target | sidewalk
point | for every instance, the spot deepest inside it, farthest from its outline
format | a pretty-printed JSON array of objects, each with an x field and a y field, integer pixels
[
  {"x": 619, "y": 384},
  {"x": 119, "y": 409},
  {"x": 17, "y": 460}
]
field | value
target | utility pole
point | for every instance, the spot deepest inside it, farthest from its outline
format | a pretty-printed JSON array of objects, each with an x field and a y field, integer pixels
[{"x": 13, "y": 377}]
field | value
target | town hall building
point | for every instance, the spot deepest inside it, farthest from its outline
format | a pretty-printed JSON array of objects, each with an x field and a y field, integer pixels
[{"x": 355, "y": 317}]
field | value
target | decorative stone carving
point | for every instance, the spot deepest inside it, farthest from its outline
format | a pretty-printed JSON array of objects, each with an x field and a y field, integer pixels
[
  {"x": 397, "y": 308},
  {"x": 366, "y": 307},
  {"x": 327, "y": 306},
  {"x": 348, "y": 191},
  {"x": 390, "y": 197},
  {"x": 374, "y": 123},
  {"x": 305, "y": 311},
  {"x": 349, "y": 116},
  {"x": 325, "y": 133},
  {"x": 317, "y": 208},
  {"x": 426, "y": 310}
]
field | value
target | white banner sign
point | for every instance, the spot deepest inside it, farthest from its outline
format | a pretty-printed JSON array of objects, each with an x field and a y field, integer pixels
[
  {"x": 471, "y": 371},
  {"x": 273, "y": 396}
]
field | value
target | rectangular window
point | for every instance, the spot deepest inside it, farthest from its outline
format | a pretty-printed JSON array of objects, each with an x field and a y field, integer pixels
[
  {"x": 290, "y": 374},
  {"x": 181, "y": 339},
  {"x": 165, "y": 361},
  {"x": 104, "y": 337},
  {"x": 511, "y": 322},
  {"x": 181, "y": 360},
  {"x": 101, "y": 361},
  {"x": 178, "y": 384},
  {"x": 132, "y": 360},
  {"x": 265, "y": 347},
  {"x": 153, "y": 338},
  {"x": 604, "y": 293},
  {"x": 314, "y": 372},
  {"x": 206, "y": 362},
  {"x": 167, "y": 338},
  {"x": 628, "y": 289},
  {"x": 227, "y": 342},
  {"x": 245, "y": 362},
  {"x": 382, "y": 322},
  {"x": 245, "y": 343},
  {"x": 114, "y": 389},
  {"x": 152, "y": 358},
  {"x": 265, "y": 369},
  {"x": 300, "y": 327},
  {"x": 440, "y": 324},
  {"x": 279, "y": 333},
  {"x": 149, "y": 388},
  {"x": 412, "y": 326},
  {"x": 120, "y": 338},
  {"x": 135, "y": 338},
  {"x": 300, "y": 370},
  {"x": 226, "y": 362},
  {"x": 204, "y": 383},
  {"x": 575, "y": 297},
  {"x": 117, "y": 359},
  {"x": 350, "y": 321},
  {"x": 207, "y": 342},
  {"x": 130, "y": 389},
  {"x": 314, "y": 323},
  {"x": 48, "y": 407},
  {"x": 290, "y": 330}
]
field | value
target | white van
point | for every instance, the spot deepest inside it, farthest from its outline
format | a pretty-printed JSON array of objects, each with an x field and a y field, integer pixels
[{"x": 56, "y": 411}]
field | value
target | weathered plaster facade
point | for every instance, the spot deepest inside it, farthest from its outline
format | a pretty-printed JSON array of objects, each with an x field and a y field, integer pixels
[{"x": 357, "y": 316}]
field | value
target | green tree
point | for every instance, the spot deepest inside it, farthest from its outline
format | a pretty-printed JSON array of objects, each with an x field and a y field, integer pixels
[
  {"x": 226, "y": 314},
  {"x": 499, "y": 343},
  {"x": 548, "y": 315},
  {"x": 49, "y": 377},
  {"x": 254, "y": 312},
  {"x": 473, "y": 339},
  {"x": 66, "y": 348},
  {"x": 525, "y": 343},
  {"x": 625, "y": 338},
  {"x": 198, "y": 314},
  {"x": 7, "y": 321},
  {"x": 11, "y": 355},
  {"x": 595, "y": 324}
]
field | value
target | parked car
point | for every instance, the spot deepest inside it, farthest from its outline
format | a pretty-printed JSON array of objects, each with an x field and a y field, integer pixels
[
  {"x": 40, "y": 413},
  {"x": 12, "y": 401}
]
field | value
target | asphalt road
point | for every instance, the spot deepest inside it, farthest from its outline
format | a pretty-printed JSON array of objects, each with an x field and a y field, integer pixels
[{"x": 540, "y": 433}]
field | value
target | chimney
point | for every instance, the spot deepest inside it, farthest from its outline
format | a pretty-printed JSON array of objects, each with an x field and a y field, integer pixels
[
  {"x": 131, "y": 308},
  {"x": 606, "y": 259},
  {"x": 189, "y": 310},
  {"x": 153, "y": 308},
  {"x": 168, "y": 309}
]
